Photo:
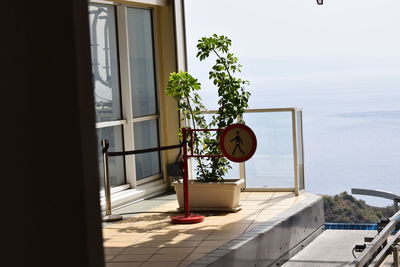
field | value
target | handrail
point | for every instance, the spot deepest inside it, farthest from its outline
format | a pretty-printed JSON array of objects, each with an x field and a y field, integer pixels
[
  {"x": 369, "y": 253},
  {"x": 256, "y": 110},
  {"x": 378, "y": 193},
  {"x": 382, "y": 255}
]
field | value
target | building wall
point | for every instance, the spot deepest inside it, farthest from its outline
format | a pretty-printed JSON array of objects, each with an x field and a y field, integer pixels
[
  {"x": 170, "y": 56},
  {"x": 50, "y": 186},
  {"x": 49, "y": 190},
  {"x": 172, "y": 53}
]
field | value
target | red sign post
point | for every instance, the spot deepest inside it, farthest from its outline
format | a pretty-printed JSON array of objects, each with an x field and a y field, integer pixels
[
  {"x": 187, "y": 217},
  {"x": 238, "y": 143}
]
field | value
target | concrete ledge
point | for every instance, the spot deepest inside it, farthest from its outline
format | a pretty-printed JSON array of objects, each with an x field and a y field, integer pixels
[{"x": 272, "y": 242}]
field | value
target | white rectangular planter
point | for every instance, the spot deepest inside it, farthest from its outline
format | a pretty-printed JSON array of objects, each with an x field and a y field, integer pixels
[{"x": 211, "y": 196}]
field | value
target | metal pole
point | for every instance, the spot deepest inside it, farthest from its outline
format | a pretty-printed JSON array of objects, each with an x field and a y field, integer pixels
[
  {"x": 185, "y": 174},
  {"x": 295, "y": 154},
  {"x": 395, "y": 256},
  {"x": 187, "y": 217},
  {"x": 107, "y": 191},
  {"x": 105, "y": 146},
  {"x": 242, "y": 165}
]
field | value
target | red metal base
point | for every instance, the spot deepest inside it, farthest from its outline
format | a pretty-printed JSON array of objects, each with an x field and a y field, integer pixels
[{"x": 191, "y": 218}]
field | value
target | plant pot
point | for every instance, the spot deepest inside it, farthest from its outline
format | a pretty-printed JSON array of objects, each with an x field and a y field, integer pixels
[{"x": 223, "y": 196}]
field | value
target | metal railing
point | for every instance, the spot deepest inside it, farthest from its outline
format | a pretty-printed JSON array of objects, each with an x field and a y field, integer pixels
[
  {"x": 378, "y": 193},
  {"x": 109, "y": 217},
  {"x": 381, "y": 246}
]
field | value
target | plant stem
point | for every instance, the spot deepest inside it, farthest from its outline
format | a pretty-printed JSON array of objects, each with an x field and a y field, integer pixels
[
  {"x": 230, "y": 79},
  {"x": 220, "y": 111},
  {"x": 195, "y": 137}
]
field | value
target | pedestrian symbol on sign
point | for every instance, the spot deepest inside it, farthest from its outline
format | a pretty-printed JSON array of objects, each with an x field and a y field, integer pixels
[{"x": 238, "y": 142}]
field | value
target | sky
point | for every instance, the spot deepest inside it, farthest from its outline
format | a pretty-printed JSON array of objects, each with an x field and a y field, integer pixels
[
  {"x": 340, "y": 44},
  {"x": 340, "y": 62}
]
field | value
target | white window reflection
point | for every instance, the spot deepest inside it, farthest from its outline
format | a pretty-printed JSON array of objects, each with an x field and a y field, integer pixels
[
  {"x": 141, "y": 58},
  {"x": 105, "y": 62}
]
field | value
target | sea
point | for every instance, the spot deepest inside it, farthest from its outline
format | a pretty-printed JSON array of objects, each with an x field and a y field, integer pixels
[{"x": 351, "y": 134}]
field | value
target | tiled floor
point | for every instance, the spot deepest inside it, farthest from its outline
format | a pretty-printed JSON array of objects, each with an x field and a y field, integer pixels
[{"x": 146, "y": 236}]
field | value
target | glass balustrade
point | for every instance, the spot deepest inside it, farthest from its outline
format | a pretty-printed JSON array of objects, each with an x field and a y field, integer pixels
[{"x": 278, "y": 164}]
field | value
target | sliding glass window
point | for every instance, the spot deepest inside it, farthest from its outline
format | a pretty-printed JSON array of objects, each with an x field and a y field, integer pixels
[
  {"x": 143, "y": 90},
  {"x": 125, "y": 90},
  {"x": 107, "y": 91},
  {"x": 105, "y": 63}
]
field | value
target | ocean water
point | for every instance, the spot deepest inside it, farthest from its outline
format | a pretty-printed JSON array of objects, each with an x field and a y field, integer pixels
[
  {"x": 353, "y": 149},
  {"x": 351, "y": 119},
  {"x": 351, "y": 138}
]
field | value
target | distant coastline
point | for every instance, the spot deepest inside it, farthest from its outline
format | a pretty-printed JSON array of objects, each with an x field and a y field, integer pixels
[{"x": 344, "y": 208}]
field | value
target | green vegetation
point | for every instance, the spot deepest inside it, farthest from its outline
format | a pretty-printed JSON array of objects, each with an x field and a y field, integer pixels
[
  {"x": 232, "y": 101},
  {"x": 345, "y": 208}
]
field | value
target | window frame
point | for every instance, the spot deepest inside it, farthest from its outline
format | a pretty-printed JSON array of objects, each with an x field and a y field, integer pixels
[
  {"x": 126, "y": 87},
  {"x": 117, "y": 122}
]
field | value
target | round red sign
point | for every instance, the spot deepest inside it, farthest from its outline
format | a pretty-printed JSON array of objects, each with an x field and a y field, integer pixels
[{"x": 238, "y": 142}]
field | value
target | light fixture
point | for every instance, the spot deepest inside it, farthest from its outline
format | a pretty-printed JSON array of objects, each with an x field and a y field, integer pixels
[{"x": 320, "y": 2}]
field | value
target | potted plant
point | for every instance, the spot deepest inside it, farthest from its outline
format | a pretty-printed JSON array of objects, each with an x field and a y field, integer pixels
[{"x": 232, "y": 101}]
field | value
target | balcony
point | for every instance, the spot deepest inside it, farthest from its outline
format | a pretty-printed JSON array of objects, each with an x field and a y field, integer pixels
[{"x": 277, "y": 217}]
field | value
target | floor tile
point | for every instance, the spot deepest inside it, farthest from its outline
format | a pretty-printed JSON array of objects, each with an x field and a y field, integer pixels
[
  {"x": 113, "y": 250},
  {"x": 108, "y": 257},
  {"x": 183, "y": 243},
  {"x": 118, "y": 244},
  {"x": 150, "y": 244},
  {"x": 204, "y": 250},
  {"x": 194, "y": 256},
  {"x": 140, "y": 250},
  {"x": 160, "y": 264},
  {"x": 225, "y": 237},
  {"x": 167, "y": 257},
  {"x": 123, "y": 264},
  {"x": 167, "y": 250},
  {"x": 213, "y": 243},
  {"x": 130, "y": 258},
  {"x": 159, "y": 236},
  {"x": 123, "y": 238},
  {"x": 150, "y": 239},
  {"x": 190, "y": 236}
]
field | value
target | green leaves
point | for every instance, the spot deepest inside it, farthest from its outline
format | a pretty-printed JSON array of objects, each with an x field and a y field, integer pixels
[
  {"x": 232, "y": 99},
  {"x": 206, "y": 45},
  {"x": 181, "y": 84}
]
